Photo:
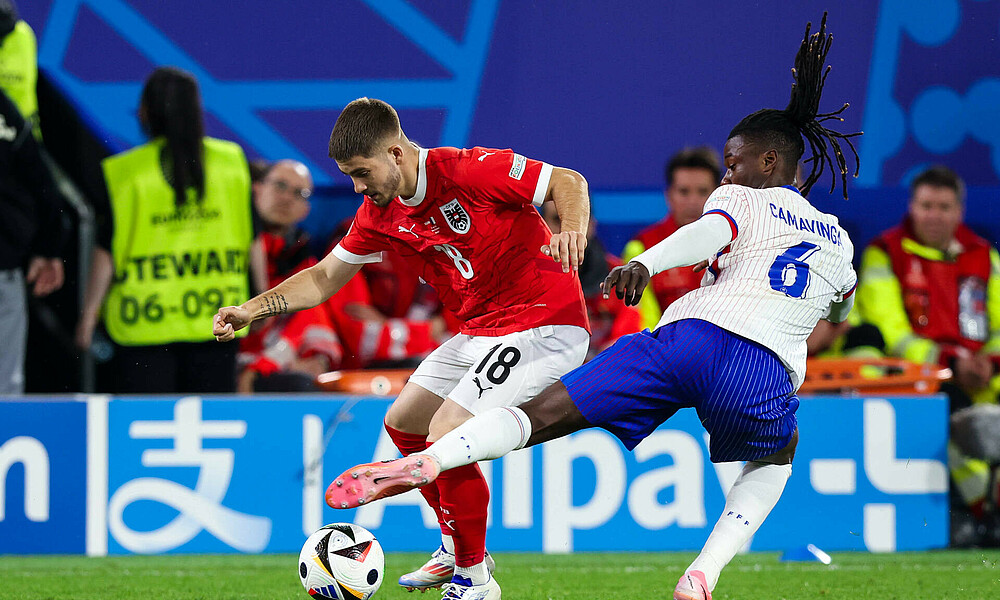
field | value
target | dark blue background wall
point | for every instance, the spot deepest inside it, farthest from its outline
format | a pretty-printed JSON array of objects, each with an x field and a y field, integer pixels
[{"x": 608, "y": 88}]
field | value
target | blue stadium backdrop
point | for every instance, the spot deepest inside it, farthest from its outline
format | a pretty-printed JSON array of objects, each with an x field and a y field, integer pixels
[
  {"x": 190, "y": 474},
  {"x": 608, "y": 88}
]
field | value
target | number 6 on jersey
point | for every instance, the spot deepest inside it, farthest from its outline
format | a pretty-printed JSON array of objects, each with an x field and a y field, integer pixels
[{"x": 789, "y": 273}]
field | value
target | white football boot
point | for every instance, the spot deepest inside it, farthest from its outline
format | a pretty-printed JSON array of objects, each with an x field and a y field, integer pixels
[
  {"x": 460, "y": 588},
  {"x": 437, "y": 571}
]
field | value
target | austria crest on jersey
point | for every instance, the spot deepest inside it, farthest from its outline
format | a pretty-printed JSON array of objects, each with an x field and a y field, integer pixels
[{"x": 456, "y": 216}]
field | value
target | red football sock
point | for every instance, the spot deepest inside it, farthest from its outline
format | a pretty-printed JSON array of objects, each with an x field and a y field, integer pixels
[
  {"x": 465, "y": 499},
  {"x": 408, "y": 443}
]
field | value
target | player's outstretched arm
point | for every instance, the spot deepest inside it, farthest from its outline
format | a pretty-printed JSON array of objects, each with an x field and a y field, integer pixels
[
  {"x": 689, "y": 245},
  {"x": 305, "y": 289},
  {"x": 568, "y": 190}
]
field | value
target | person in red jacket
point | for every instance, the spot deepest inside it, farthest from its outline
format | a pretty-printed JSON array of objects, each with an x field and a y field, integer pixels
[
  {"x": 691, "y": 175},
  {"x": 932, "y": 287},
  {"x": 287, "y": 353},
  {"x": 387, "y": 316}
]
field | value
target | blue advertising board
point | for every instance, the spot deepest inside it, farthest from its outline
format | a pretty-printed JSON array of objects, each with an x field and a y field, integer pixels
[
  {"x": 220, "y": 475},
  {"x": 43, "y": 469},
  {"x": 869, "y": 473}
]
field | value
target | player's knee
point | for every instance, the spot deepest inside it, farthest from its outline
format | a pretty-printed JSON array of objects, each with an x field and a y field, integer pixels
[
  {"x": 412, "y": 411},
  {"x": 436, "y": 429},
  {"x": 443, "y": 423},
  {"x": 394, "y": 419},
  {"x": 401, "y": 418},
  {"x": 447, "y": 417},
  {"x": 435, "y": 434}
]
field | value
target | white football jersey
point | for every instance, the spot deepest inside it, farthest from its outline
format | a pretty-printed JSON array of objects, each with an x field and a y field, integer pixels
[{"x": 786, "y": 264}]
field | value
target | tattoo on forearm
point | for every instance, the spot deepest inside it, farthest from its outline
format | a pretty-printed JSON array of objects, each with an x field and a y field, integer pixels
[{"x": 274, "y": 304}]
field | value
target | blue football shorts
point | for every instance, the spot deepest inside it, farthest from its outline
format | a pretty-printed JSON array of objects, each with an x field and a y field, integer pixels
[{"x": 741, "y": 390}]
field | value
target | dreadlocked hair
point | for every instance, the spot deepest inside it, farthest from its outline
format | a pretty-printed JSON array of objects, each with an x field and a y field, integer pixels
[{"x": 783, "y": 130}]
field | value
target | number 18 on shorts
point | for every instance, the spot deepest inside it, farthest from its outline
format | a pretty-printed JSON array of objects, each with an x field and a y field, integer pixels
[{"x": 484, "y": 372}]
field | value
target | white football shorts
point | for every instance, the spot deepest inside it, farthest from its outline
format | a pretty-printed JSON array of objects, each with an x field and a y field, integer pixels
[{"x": 484, "y": 372}]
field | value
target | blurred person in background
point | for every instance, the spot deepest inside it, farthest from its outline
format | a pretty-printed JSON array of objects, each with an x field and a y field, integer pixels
[
  {"x": 258, "y": 263},
  {"x": 288, "y": 352},
  {"x": 609, "y": 318},
  {"x": 31, "y": 238},
  {"x": 386, "y": 315},
  {"x": 932, "y": 287},
  {"x": 258, "y": 169},
  {"x": 691, "y": 176},
  {"x": 383, "y": 317},
  {"x": 173, "y": 250},
  {"x": 19, "y": 63}
]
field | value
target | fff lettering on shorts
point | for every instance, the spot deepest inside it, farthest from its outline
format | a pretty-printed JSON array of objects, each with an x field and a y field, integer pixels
[
  {"x": 830, "y": 232},
  {"x": 167, "y": 266}
]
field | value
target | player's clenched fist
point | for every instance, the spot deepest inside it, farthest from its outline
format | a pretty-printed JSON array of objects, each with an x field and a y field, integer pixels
[
  {"x": 628, "y": 281},
  {"x": 228, "y": 321},
  {"x": 567, "y": 247}
]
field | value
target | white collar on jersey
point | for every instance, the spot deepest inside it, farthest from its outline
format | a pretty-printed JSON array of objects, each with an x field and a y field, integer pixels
[{"x": 421, "y": 181}]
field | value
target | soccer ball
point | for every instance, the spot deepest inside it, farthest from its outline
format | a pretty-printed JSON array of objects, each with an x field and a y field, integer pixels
[{"x": 341, "y": 561}]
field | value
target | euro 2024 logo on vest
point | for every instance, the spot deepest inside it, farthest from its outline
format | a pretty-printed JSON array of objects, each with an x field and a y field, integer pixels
[{"x": 198, "y": 509}]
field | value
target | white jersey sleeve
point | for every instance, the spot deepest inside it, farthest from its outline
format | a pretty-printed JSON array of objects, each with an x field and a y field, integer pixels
[
  {"x": 786, "y": 264},
  {"x": 689, "y": 245}
]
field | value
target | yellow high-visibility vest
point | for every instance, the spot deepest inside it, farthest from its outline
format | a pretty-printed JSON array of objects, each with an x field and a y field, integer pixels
[
  {"x": 174, "y": 267},
  {"x": 19, "y": 71}
]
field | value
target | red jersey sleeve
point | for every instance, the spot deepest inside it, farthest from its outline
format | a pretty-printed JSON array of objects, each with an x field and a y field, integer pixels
[
  {"x": 507, "y": 176},
  {"x": 362, "y": 244}
]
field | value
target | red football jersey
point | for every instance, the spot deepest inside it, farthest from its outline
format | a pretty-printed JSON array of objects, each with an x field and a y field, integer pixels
[{"x": 472, "y": 233}]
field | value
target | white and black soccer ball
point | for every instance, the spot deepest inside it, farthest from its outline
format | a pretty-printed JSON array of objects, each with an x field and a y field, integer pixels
[{"x": 341, "y": 561}]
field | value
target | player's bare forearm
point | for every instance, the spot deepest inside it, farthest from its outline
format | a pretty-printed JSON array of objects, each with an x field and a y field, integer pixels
[
  {"x": 306, "y": 289},
  {"x": 303, "y": 290},
  {"x": 568, "y": 191},
  {"x": 271, "y": 303},
  {"x": 298, "y": 292}
]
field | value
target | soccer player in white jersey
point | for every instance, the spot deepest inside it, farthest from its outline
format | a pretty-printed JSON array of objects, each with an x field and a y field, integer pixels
[{"x": 733, "y": 349}]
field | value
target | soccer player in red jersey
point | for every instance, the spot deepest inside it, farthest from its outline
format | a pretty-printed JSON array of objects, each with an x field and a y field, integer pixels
[{"x": 465, "y": 221}]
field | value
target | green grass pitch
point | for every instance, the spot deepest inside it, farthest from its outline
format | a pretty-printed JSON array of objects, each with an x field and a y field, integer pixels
[{"x": 965, "y": 575}]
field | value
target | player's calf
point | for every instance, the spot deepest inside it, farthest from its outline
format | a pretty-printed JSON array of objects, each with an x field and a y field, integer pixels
[{"x": 369, "y": 482}]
